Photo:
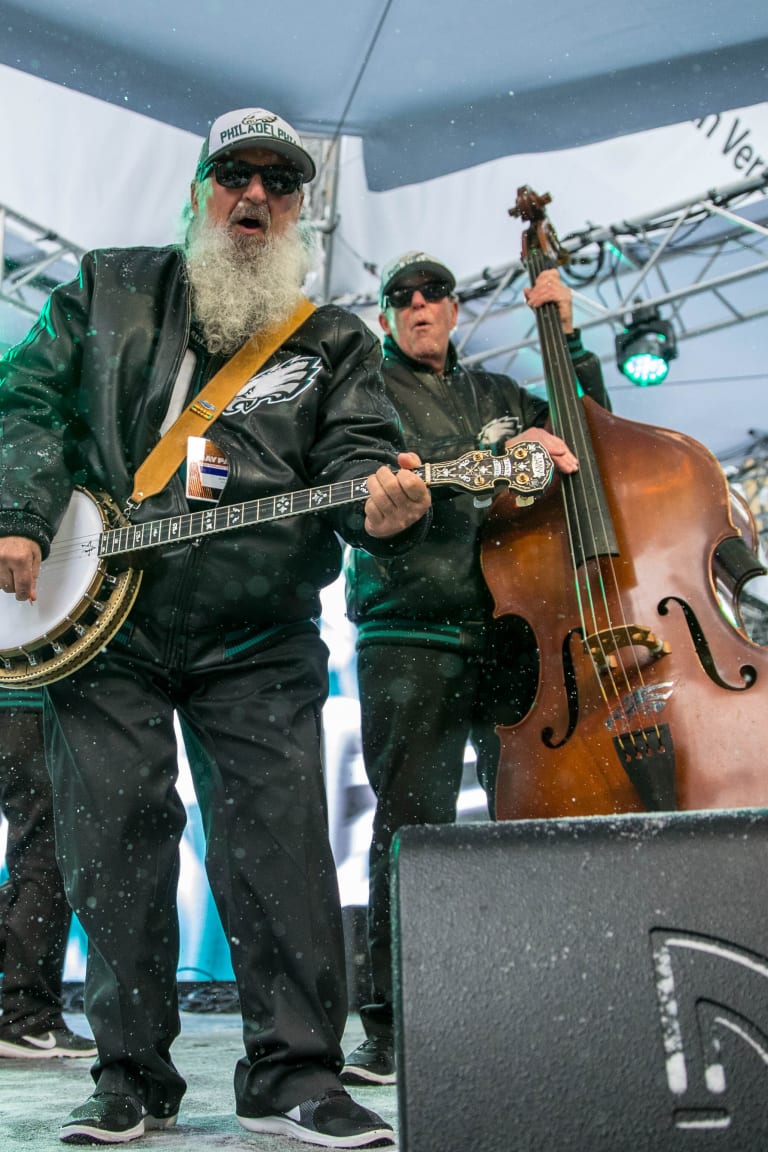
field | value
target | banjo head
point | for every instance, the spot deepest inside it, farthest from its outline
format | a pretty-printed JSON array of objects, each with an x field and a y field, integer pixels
[{"x": 80, "y": 605}]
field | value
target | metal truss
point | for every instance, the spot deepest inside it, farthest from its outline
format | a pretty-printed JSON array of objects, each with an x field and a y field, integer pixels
[
  {"x": 321, "y": 207},
  {"x": 33, "y": 260},
  {"x": 701, "y": 250}
]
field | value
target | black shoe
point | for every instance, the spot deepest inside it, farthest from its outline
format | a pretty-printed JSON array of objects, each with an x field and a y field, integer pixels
[
  {"x": 373, "y": 1062},
  {"x": 55, "y": 1042},
  {"x": 333, "y": 1120},
  {"x": 110, "y": 1118}
]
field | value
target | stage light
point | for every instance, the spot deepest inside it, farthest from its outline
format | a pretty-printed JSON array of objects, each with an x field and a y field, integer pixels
[{"x": 646, "y": 346}]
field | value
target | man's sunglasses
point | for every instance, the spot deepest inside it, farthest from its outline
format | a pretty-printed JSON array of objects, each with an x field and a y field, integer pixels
[
  {"x": 432, "y": 291},
  {"x": 277, "y": 179}
]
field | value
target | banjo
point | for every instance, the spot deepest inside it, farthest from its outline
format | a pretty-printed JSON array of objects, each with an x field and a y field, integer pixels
[{"x": 90, "y": 579}]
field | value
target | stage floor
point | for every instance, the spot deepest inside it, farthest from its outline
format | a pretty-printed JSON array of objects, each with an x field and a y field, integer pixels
[{"x": 36, "y": 1095}]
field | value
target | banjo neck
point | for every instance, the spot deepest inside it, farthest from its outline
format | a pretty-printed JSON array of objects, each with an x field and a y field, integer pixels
[
  {"x": 191, "y": 525},
  {"x": 526, "y": 468}
]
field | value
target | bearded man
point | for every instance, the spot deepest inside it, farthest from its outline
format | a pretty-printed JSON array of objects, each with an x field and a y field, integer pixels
[{"x": 223, "y": 631}]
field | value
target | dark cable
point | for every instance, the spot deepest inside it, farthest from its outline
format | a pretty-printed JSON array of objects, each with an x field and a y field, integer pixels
[{"x": 358, "y": 80}]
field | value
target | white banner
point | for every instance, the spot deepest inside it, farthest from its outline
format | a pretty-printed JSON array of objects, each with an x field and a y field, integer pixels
[{"x": 463, "y": 218}]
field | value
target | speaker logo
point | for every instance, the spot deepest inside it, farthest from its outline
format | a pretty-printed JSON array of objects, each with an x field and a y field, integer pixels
[{"x": 713, "y": 1001}]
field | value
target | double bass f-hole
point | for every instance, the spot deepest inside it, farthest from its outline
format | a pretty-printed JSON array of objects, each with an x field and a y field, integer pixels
[{"x": 641, "y": 677}]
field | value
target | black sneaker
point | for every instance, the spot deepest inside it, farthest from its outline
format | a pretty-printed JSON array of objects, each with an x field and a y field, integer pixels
[
  {"x": 56, "y": 1042},
  {"x": 372, "y": 1062},
  {"x": 110, "y": 1118},
  {"x": 333, "y": 1120}
]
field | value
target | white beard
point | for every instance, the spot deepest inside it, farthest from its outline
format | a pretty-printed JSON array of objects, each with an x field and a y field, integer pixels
[{"x": 242, "y": 284}]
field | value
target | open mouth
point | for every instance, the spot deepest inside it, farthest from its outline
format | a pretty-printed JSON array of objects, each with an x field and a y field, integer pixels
[
  {"x": 249, "y": 224},
  {"x": 250, "y": 218}
]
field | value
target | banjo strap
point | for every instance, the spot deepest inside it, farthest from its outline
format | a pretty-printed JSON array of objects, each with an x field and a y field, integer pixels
[{"x": 209, "y": 403}]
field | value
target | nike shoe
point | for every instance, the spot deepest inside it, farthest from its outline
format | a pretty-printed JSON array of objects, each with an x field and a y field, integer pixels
[
  {"x": 55, "y": 1042},
  {"x": 332, "y": 1120},
  {"x": 110, "y": 1118},
  {"x": 372, "y": 1062}
]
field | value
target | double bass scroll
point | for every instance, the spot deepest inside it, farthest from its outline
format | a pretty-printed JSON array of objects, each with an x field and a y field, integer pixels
[{"x": 648, "y": 697}]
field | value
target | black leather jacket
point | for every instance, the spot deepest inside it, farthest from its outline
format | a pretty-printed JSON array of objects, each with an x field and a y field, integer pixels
[
  {"x": 82, "y": 399},
  {"x": 441, "y": 583}
]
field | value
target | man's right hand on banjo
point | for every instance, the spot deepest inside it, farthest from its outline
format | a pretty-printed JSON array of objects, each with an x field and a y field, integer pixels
[{"x": 20, "y": 561}]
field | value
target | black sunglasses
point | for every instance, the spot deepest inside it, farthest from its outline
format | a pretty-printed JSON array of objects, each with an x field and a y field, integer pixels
[
  {"x": 432, "y": 291},
  {"x": 277, "y": 179}
]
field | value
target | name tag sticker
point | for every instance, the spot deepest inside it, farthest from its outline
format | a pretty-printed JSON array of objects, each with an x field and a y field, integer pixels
[{"x": 207, "y": 470}]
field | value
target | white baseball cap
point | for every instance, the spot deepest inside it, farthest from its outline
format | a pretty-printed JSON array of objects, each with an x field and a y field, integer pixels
[{"x": 249, "y": 127}]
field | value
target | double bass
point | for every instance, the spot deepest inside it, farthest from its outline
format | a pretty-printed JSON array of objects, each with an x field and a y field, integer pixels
[{"x": 649, "y": 698}]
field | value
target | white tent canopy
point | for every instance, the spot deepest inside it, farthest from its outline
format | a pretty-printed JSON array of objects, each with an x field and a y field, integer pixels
[{"x": 430, "y": 89}]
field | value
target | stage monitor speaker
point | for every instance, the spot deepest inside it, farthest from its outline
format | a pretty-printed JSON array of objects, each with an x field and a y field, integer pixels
[{"x": 591, "y": 985}]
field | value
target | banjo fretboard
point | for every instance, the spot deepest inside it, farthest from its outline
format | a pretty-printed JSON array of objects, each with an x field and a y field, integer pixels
[{"x": 173, "y": 529}]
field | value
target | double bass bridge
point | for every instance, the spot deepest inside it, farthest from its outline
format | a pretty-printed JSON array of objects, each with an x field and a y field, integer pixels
[{"x": 602, "y": 646}]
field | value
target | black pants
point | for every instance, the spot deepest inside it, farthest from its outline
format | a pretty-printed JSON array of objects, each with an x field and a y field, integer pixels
[
  {"x": 252, "y": 729},
  {"x": 419, "y": 707},
  {"x": 34, "y": 913}
]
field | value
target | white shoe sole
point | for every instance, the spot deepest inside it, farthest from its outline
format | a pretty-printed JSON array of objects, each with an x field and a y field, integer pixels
[
  {"x": 361, "y": 1077},
  {"x": 284, "y": 1126},
  {"x": 89, "y": 1133},
  {"x": 17, "y": 1052}
]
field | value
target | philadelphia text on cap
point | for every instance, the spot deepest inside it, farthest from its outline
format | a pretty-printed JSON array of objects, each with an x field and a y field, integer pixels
[{"x": 255, "y": 126}]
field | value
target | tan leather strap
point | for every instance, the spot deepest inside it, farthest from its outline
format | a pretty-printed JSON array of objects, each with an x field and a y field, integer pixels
[{"x": 210, "y": 402}]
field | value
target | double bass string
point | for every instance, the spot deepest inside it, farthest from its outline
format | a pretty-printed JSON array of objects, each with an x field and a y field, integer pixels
[
  {"x": 569, "y": 423},
  {"x": 568, "y": 427}
]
